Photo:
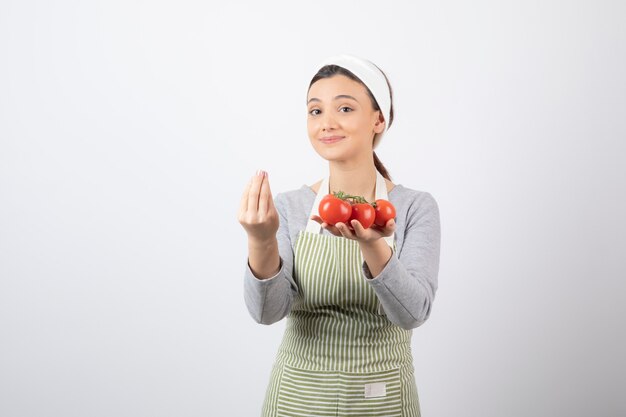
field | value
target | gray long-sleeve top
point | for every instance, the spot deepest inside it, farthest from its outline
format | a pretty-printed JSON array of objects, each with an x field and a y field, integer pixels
[{"x": 405, "y": 287}]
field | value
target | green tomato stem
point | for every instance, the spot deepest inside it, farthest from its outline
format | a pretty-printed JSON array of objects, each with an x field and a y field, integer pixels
[{"x": 355, "y": 198}]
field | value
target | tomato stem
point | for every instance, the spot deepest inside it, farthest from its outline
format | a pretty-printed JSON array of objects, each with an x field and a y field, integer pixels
[{"x": 354, "y": 198}]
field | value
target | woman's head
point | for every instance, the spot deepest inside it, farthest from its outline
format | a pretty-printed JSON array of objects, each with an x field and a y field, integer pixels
[{"x": 340, "y": 104}]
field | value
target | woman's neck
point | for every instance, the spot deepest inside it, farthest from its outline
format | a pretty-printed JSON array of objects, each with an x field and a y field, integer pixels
[{"x": 355, "y": 180}]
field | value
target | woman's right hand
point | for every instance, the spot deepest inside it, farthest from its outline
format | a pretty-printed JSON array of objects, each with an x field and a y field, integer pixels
[{"x": 257, "y": 213}]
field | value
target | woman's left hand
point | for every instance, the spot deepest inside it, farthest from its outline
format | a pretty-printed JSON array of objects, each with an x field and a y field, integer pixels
[{"x": 357, "y": 231}]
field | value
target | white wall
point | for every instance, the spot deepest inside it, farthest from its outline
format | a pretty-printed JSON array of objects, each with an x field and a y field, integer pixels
[{"x": 129, "y": 129}]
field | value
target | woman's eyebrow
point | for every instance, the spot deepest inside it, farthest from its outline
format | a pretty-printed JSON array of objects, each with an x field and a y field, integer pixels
[{"x": 336, "y": 97}]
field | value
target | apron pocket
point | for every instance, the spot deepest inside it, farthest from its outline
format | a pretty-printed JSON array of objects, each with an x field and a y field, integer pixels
[
  {"x": 372, "y": 393},
  {"x": 304, "y": 392}
]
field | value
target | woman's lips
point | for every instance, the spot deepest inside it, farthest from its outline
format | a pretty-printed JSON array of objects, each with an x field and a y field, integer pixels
[{"x": 331, "y": 139}]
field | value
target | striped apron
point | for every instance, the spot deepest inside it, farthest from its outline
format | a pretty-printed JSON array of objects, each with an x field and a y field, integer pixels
[{"x": 340, "y": 355}]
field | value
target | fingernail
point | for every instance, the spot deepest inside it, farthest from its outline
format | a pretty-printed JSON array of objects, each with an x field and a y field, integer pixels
[{"x": 260, "y": 173}]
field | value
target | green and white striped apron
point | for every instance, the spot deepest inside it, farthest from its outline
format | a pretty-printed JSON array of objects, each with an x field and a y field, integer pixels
[{"x": 340, "y": 355}]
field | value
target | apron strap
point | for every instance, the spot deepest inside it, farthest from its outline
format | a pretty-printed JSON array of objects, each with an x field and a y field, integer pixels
[{"x": 380, "y": 192}]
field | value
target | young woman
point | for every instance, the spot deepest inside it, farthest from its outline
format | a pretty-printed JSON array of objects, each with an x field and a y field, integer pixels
[{"x": 351, "y": 295}]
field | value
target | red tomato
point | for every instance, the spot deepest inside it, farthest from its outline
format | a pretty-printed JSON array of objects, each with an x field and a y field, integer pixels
[
  {"x": 364, "y": 213},
  {"x": 334, "y": 210},
  {"x": 384, "y": 211}
]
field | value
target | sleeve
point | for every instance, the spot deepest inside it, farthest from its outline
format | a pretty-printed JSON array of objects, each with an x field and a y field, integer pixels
[
  {"x": 407, "y": 284},
  {"x": 269, "y": 300}
]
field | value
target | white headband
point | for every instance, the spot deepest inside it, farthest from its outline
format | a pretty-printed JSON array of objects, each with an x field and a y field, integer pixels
[{"x": 372, "y": 77}]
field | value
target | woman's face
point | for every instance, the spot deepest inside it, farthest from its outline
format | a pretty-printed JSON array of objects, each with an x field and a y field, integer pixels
[{"x": 340, "y": 107}]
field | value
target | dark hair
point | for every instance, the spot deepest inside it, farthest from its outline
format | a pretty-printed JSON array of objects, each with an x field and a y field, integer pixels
[{"x": 328, "y": 71}]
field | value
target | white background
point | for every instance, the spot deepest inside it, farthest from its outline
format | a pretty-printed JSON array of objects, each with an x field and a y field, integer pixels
[{"x": 128, "y": 130}]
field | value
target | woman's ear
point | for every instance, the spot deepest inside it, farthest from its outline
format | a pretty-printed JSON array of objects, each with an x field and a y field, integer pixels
[{"x": 379, "y": 126}]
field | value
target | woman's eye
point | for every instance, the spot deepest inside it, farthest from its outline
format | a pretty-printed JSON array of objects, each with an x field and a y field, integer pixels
[
  {"x": 312, "y": 111},
  {"x": 345, "y": 107}
]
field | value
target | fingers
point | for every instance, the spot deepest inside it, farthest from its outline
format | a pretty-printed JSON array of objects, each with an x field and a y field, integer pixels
[
  {"x": 270, "y": 202},
  {"x": 265, "y": 195},
  {"x": 358, "y": 228},
  {"x": 389, "y": 228},
  {"x": 354, "y": 229},
  {"x": 340, "y": 228},
  {"x": 332, "y": 229},
  {"x": 254, "y": 192},
  {"x": 323, "y": 223},
  {"x": 344, "y": 229},
  {"x": 243, "y": 205}
]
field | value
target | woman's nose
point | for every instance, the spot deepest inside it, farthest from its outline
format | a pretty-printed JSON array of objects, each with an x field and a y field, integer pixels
[{"x": 328, "y": 121}]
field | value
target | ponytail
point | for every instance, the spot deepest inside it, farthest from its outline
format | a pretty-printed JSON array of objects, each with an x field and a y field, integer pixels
[{"x": 381, "y": 168}]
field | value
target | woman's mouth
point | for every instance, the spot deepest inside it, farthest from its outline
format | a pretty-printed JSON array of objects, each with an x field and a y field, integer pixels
[{"x": 331, "y": 139}]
